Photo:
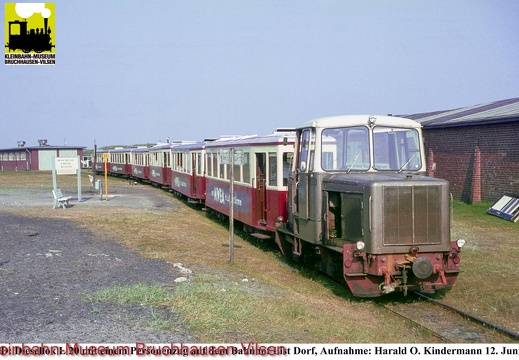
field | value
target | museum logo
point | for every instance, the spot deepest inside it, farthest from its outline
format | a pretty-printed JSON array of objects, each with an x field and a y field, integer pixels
[{"x": 30, "y": 34}]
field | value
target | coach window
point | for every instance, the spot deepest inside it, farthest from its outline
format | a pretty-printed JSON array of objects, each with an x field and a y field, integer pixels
[
  {"x": 246, "y": 168},
  {"x": 217, "y": 168},
  {"x": 200, "y": 164},
  {"x": 180, "y": 162},
  {"x": 287, "y": 165},
  {"x": 273, "y": 169},
  {"x": 208, "y": 164},
  {"x": 215, "y": 165},
  {"x": 209, "y": 158},
  {"x": 187, "y": 161},
  {"x": 222, "y": 167},
  {"x": 237, "y": 171}
]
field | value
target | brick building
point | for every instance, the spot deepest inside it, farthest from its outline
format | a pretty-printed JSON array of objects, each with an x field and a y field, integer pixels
[
  {"x": 476, "y": 148},
  {"x": 26, "y": 158}
]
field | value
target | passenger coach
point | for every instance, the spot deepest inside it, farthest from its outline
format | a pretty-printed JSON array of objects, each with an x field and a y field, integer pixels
[
  {"x": 260, "y": 179},
  {"x": 160, "y": 164},
  {"x": 188, "y": 171},
  {"x": 140, "y": 163}
]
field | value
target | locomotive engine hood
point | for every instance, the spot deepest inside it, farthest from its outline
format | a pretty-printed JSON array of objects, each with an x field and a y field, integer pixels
[
  {"x": 378, "y": 177},
  {"x": 397, "y": 211}
]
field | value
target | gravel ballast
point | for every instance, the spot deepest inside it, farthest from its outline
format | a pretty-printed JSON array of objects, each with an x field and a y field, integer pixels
[{"x": 51, "y": 268}]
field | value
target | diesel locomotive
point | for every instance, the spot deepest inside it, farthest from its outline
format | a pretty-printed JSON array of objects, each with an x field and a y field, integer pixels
[{"x": 361, "y": 208}]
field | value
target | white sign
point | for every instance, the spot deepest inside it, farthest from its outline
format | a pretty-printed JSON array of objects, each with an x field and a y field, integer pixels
[
  {"x": 225, "y": 157},
  {"x": 65, "y": 166}
]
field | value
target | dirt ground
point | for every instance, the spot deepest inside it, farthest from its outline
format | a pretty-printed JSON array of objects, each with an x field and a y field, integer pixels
[{"x": 50, "y": 267}]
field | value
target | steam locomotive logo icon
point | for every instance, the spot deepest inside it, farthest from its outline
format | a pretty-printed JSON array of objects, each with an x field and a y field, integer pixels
[{"x": 29, "y": 29}]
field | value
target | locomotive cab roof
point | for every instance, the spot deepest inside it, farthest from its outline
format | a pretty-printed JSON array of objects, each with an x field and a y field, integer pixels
[{"x": 358, "y": 120}]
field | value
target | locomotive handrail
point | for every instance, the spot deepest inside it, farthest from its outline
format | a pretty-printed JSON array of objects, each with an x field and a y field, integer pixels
[
  {"x": 452, "y": 210},
  {"x": 370, "y": 214}
]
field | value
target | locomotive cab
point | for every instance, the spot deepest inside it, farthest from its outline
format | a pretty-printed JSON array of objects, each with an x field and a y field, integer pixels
[{"x": 361, "y": 209}]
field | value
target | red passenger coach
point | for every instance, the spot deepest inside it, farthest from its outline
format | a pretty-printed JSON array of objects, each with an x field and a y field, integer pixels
[
  {"x": 260, "y": 171},
  {"x": 140, "y": 163},
  {"x": 99, "y": 165},
  {"x": 188, "y": 171},
  {"x": 160, "y": 164},
  {"x": 120, "y": 162}
]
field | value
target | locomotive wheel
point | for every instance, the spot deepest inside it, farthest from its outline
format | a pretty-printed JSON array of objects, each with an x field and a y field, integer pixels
[{"x": 26, "y": 50}]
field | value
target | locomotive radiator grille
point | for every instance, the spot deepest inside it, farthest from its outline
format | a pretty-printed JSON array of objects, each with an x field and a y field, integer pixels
[{"x": 412, "y": 215}]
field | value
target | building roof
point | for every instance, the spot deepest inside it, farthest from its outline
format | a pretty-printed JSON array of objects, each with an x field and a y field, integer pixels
[
  {"x": 46, "y": 147},
  {"x": 489, "y": 113}
]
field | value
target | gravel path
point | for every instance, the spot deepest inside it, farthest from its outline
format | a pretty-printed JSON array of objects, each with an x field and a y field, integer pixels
[{"x": 49, "y": 266}]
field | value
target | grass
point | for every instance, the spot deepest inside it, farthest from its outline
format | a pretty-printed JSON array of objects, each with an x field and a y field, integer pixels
[
  {"x": 487, "y": 287},
  {"x": 143, "y": 294},
  {"x": 150, "y": 296},
  {"x": 261, "y": 298}
]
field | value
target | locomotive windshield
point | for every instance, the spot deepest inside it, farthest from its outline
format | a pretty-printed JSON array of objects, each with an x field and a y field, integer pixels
[
  {"x": 347, "y": 149},
  {"x": 396, "y": 149}
]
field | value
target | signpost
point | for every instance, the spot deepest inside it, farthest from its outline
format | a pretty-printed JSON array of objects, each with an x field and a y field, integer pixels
[
  {"x": 231, "y": 157},
  {"x": 105, "y": 160},
  {"x": 67, "y": 166},
  {"x": 231, "y": 211}
]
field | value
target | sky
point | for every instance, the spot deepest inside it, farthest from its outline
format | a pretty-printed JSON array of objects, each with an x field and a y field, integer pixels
[{"x": 134, "y": 72}]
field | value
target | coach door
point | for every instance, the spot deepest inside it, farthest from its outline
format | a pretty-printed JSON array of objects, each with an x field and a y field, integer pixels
[
  {"x": 261, "y": 190},
  {"x": 304, "y": 167}
]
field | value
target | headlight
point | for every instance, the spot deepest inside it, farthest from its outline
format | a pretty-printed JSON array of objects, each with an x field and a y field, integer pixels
[
  {"x": 460, "y": 243},
  {"x": 360, "y": 245}
]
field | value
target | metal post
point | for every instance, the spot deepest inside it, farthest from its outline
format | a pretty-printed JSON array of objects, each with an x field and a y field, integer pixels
[
  {"x": 106, "y": 179},
  {"x": 79, "y": 179},
  {"x": 94, "y": 162},
  {"x": 54, "y": 182},
  {"x": 231, "y": 211}
]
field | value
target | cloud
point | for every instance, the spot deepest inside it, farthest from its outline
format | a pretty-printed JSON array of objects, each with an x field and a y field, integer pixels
[{"x": 26, "y": 10}]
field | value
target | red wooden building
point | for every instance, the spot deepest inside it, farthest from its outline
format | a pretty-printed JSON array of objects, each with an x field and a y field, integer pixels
[{"x": 27, "y": 158}]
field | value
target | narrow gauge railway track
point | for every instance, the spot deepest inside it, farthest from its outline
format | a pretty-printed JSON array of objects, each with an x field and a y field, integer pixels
[{"x": 450, "y": 324}]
